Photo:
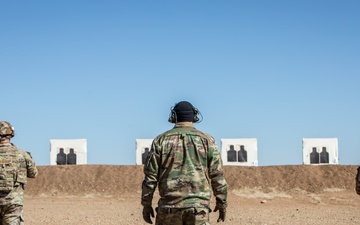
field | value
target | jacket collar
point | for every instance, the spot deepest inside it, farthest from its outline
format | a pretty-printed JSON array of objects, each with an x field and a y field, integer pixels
[{"x": 184, "y": 124}]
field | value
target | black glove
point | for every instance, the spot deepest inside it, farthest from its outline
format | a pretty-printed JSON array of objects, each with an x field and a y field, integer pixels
[
  {"x": 222, "y": 213},
  {"x": 147, "y": 212}
]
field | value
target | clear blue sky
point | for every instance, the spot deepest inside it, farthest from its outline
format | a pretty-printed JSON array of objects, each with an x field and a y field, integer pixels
[{"x": 109, "y": 71}]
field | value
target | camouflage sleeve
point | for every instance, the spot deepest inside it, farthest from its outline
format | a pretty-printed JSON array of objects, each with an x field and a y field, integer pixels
[
  {"x": 31, "y": 169},
  {"x": 216, "y": 175},
  {"x": 151, "y": 169}
]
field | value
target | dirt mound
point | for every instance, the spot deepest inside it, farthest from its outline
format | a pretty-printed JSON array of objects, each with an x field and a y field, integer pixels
[{"x": 82, "y": 180}]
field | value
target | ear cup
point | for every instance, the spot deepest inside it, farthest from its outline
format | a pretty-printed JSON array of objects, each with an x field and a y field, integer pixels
[
  {"x": 172, "y": 117},
  {"x": 196, "y": 112}
]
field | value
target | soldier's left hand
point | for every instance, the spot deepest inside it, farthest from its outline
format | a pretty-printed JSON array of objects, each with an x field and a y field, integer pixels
[{"x": 147, "y": 212}]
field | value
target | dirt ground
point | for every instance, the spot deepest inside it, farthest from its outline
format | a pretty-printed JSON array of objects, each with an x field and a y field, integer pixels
[{"x": 269, "y": 195}]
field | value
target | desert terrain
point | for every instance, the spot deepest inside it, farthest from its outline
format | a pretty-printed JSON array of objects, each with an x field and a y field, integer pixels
[{"x": 264, "y": 195}]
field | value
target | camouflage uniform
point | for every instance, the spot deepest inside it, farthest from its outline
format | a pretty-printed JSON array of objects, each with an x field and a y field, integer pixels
[
  {"x": 357, "y": 181},
  {"x": 186, "y": 165},
  {"x": 11, "y": 203}
]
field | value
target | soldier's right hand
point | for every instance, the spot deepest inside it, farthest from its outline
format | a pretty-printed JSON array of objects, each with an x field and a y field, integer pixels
[
  {"x": 222, "y": 213},
  {"x": 147, "y": 212}
]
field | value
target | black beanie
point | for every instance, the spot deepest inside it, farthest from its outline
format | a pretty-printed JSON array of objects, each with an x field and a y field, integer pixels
[{"x": 184, "y": 112}]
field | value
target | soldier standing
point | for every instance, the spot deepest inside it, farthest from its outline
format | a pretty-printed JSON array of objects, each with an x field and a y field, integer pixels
[
  {"x": 186, "y": 166},
  {"x": 15, "y": 167}
]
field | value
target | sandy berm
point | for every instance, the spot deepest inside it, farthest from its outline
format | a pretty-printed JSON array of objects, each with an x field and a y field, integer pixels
[{"x": 264, "y": 195}]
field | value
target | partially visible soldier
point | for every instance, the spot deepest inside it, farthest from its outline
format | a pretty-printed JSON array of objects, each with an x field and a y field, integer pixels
[
  {"x": 15, "y": 167},
  {"x": 357, "y": 181},
  {"x": 186, "y": 165}
]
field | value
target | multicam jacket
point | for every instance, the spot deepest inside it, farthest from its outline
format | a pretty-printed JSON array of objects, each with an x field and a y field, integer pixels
[
  {"x": 25, "y": 169},
  {"x": 186, "y": 165}
]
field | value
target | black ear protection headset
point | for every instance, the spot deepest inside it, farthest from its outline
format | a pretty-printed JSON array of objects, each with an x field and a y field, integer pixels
[{"x": 173, "y": 116}]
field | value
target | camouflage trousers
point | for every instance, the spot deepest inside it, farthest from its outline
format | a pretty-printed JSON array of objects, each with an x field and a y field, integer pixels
[
  {"x": 11, "y": 215},
  {"x": 185, "y": 216}
]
